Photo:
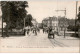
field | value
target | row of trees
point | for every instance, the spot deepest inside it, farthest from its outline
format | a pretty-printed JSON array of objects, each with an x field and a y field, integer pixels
[
  {"x": 70, "y": 23},
  {"x": 14, "y": 12}
]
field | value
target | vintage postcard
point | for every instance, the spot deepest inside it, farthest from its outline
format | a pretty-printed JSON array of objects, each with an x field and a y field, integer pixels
[{"x": 40, "y": 26}]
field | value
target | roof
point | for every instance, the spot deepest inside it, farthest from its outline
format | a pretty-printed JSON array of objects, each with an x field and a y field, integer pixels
[{"x": 52, "y": 18}]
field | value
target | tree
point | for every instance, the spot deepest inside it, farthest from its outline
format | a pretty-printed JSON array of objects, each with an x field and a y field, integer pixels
[
  {"x": 28, "y": 20},
  {"x": 13, "y": 13},
  {"x": 15, "y": 10}
]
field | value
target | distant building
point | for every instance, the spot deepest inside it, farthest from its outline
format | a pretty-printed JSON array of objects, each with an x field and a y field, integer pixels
[
  {"x": 40, "y": 25},
  {"x": 45, "y": 22},
  {"x": 50, "y": 21},
  {"x": 58, "y": 24}
]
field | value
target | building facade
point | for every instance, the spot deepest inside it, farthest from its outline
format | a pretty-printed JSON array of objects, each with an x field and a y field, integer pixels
[{"x": 50, "y": 21}]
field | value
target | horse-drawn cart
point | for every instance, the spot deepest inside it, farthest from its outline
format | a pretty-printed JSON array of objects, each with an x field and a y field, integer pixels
[{"x": 51, "y": 33}]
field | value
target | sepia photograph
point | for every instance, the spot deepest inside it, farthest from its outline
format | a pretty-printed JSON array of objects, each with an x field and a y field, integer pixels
[{"x": 40, "y": 26}]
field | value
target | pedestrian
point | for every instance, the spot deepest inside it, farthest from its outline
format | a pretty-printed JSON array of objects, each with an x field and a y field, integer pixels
[
  {"x": 35, "y": 30},
  {"x": 43, "y": 30},
  {"x": 38, "y": 30},
  {"x": 28, "y": 31},
  {"x": 24, "y": 31}
]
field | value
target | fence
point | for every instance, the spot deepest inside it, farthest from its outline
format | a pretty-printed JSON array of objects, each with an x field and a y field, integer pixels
[{"x": 13, "y": 32}]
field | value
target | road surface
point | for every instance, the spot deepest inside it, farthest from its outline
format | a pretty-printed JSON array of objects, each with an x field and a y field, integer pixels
[{"x": 38, "y": 41}]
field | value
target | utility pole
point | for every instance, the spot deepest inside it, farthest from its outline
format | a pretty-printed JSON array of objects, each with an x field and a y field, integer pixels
[
  {"x": 76, "y": 16},
  {"x": 65, "y": 20}
]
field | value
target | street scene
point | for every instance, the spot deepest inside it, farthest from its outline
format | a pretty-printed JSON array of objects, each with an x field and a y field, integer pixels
[{"x": 40, "y": 26}]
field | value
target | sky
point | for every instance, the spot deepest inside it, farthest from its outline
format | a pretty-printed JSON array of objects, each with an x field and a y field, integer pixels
[{"x": 40, "y": 9}]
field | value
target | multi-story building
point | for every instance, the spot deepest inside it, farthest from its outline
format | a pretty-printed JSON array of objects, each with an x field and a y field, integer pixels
[
  {"x": 44, "y": 22},
  {"x": 53, "y": 22},
  {"x": 50, "y": 21}
]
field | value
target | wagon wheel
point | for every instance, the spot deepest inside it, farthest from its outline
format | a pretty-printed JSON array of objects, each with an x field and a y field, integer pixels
[{"x": 48, "y": 36}]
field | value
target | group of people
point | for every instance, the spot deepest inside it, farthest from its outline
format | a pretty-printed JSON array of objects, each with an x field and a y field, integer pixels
[
  {"x": 34, "y": 30},
  {"x": 30, "y": 30}
]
